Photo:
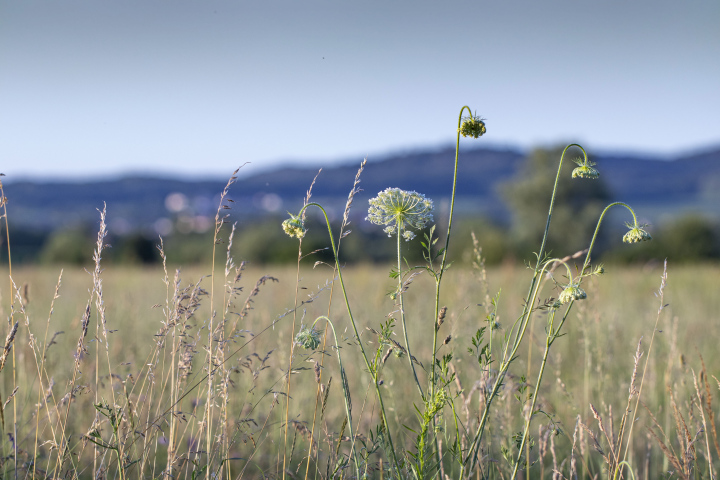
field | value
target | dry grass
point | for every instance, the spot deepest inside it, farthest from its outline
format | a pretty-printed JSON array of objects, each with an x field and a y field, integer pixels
[{"x": 593, "y": 364}]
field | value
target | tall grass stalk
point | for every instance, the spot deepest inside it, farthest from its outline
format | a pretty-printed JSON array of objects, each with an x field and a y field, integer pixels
[{"x": 3, "y": 203}]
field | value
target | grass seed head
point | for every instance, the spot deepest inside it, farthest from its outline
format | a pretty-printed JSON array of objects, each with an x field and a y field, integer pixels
[{"x": 441, "y": 316}]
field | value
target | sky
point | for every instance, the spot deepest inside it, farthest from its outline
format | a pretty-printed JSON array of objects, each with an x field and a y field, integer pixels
[{"x": 98, "y": 88}]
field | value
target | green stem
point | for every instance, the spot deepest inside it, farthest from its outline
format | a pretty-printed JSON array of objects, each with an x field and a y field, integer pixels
[
  {"x": 597, "y": 228},
  {"x": 551, "y": 337},
  {"x": 371, "y": 370},
  {"x": 402, "y": 310},
  {"x": 348, "y": 412},
  {"x": 438, "y": 277},
  {"x": 527, "y": 308}
]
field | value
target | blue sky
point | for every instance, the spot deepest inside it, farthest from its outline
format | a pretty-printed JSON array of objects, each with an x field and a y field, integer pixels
[{"x": 94, "y": 88}]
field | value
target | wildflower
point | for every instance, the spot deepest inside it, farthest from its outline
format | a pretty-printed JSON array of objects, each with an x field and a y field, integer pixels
[
  {"x": 308, "y": 338},
  {"x": 636, "y": 234},
  {"x": 585, "y": 169},
  {"x": 570, "y": 293},
  {"x": 472, "y": 126},
  {"x": 294, "y": 226},
  {"x": 400, "y": 209}
]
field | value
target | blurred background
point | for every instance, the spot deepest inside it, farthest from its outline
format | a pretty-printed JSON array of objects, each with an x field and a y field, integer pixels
[{"x": 149, "y": 106}]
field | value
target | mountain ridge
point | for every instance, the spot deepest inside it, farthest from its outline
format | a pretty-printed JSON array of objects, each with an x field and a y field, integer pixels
[{"x": 689, "y": 181}]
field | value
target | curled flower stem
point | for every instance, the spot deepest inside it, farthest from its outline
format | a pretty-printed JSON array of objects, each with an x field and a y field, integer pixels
[
  {"x": 597, "y": 228},
  {"x": 371, "y": 370},
  {"x": 443, "y": 263}
]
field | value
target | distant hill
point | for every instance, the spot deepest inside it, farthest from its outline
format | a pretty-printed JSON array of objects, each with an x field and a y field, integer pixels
[{"x": 663, "y": 187}]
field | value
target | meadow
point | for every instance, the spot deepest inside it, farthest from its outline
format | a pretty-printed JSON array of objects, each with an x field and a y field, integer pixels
[
  {"x": 565, "y": 368},
  {"x": 592, "y": 364}
]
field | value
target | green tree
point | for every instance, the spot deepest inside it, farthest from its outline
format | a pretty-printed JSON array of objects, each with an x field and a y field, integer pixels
[
  {"x": 73, "y": 247},
  {"x": 578, "y": 203}
]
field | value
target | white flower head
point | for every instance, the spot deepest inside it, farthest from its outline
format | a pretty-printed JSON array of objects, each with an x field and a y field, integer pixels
[{"x": 396, "y": 208}]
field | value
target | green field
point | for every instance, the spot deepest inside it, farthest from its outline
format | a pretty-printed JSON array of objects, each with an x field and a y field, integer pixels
[{"x": 592, "y": 363}]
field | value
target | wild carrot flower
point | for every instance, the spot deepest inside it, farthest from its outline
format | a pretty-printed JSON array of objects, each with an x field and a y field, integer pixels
[
  {"x": 400, "y": 209},
  {"x": 294, "y": 226},
  {"x": 585, "y": 169},
  {"x": 308, "y": 338},
  {"x": 636, "y": 234},
  {"x": 570, "y": 293},
  {"x": 472, "y": 126}
]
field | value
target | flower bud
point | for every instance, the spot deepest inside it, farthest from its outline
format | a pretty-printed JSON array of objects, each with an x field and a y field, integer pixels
[
  {"x": 585, "y": 169},
  {"x": 308, "y": 338},
  {"x": 294, "y": 227},
  {"x": 570, "y": 293},
  {"x": 636, "y": 234},
  {"x": 472, "y": 126}
]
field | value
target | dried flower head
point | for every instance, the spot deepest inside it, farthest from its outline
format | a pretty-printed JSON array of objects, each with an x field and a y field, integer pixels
[
  {"x": 570, "y": 293},
  {"x": 308, "y": 338},
  {"x": 472, "y": 126},
  {"x": 400, "y": 209},
  {"x": 294, "y": 226},
  {"x": 637, "y": 233},
  {"x": 585, "y": 169}
]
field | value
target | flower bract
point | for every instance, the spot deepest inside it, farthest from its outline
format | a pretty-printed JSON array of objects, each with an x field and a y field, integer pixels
[
  {"x": 636, "y": 234},
  {"x": 400, "y": 210},
  {"x": 294, "y": 226}
]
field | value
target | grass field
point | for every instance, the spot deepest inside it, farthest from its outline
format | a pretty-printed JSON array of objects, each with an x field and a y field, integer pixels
[
  {"x": 398, "y": 371},
  {"x": 593, "y": 363}
]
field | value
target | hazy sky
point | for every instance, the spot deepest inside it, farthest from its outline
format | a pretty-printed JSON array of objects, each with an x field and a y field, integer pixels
[{"x": 98, "y": 87}]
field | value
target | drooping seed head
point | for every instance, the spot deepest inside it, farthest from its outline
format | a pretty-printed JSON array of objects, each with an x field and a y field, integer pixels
[
  {"x": 636, "y": 234},
  {"x": 396, "y": 208},
  {"x": 472, "y": 126},
  {"x": 294, "y": 226},
  {"x": 585, "y": 169}
]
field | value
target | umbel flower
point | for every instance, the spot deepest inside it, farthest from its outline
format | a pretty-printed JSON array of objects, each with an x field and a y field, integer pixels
[
  {"x": 636, "y": 234},
  {"x": 294, "y": 226},
  {"x": 472, "y": 126},
  {"x": 400, "y": 209},
  {"x": 308, "y": 338},
  {"x": 585, "y": 169},
  {"x": 570, "y": 293}
]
